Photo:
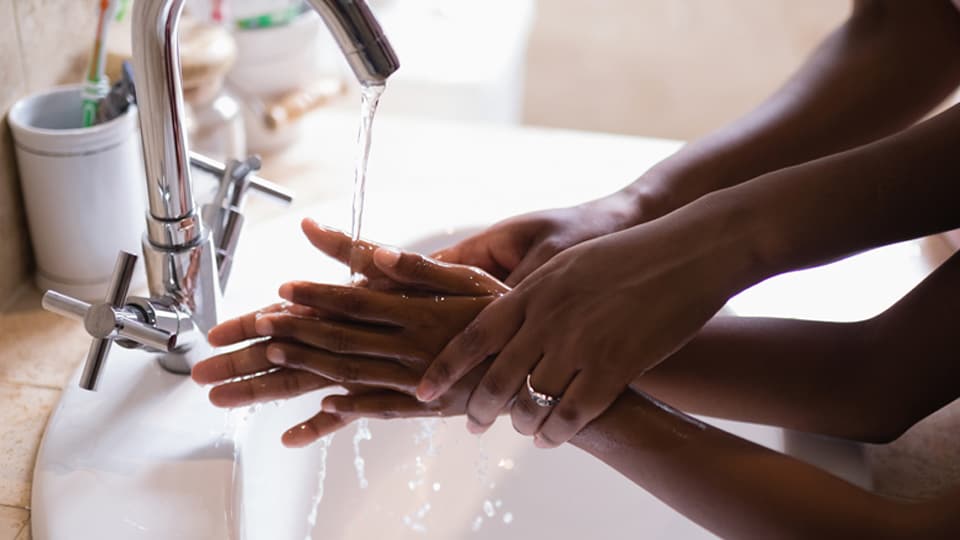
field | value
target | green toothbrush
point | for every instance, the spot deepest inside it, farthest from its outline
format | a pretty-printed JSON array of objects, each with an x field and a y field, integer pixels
[{"x": 96, "y": 84}]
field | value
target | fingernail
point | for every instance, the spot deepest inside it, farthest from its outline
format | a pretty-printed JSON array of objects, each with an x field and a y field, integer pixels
[
  {"x": 276, "y": 355},
  {"x": 286, "y": 291},
  {"x": 263, "y": 326},
  {"x": 475, "y": 428},
  {"x": 387, "y": 256},
  {"x": 539, "y": 442},
  {"x": 328, "y": 405},
  {"x": 426, "y": 391},
  {"x": 298, "y": 436}
]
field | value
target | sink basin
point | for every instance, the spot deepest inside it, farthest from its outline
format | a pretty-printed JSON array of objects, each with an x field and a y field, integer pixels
[{"x": 147, "y": 457}]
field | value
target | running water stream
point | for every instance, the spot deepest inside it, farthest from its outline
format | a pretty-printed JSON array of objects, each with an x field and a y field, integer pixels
[{"x": 369, "y": 99}]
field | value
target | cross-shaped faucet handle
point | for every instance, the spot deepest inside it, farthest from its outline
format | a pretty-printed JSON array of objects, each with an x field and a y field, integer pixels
[{"x": 110, "y": 320}]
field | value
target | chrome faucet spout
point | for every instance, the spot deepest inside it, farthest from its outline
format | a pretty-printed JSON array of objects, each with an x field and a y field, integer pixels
[
  {"x": 360, "y": 37},
  {"x": 156, "y": 58},
  {"x": 188, "y": 253}
]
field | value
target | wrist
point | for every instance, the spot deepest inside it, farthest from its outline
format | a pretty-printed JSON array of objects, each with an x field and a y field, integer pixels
[
  {"x": 644, "y": 199},
  {"x": 730, "y": 239}
]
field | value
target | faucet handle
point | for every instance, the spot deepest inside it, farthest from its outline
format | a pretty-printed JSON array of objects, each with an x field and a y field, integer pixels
[
  {"x": 110, "y": 320},
  {"x": 265, "y": 187}
]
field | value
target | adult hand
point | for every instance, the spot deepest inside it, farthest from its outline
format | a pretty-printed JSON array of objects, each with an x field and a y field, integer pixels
[
  {"x": 515, "y": 247},
  {"x": 589, "y": 321}
]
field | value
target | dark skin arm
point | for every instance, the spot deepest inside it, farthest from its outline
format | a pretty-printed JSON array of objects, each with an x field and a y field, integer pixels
[
  {"x": 640, "y": 308},
  {"x": 738, "y": 489},
  {"x": 868, "y": 381},
  {"x": 886, "y": 67},
  {"x": 730, "y": 486},
  {"x": 861, "y": 84}
]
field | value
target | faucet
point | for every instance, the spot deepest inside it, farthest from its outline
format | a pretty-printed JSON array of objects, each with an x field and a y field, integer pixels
[{"x": 189, "y": 251}]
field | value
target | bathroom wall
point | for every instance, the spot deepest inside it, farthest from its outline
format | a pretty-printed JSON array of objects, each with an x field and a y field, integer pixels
[
  {"x": 666, "y": 68},
  {"x": 42, "y": 43}
]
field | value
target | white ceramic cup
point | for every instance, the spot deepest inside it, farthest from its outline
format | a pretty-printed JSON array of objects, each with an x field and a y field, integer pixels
[{"x": 83, "y": 190}]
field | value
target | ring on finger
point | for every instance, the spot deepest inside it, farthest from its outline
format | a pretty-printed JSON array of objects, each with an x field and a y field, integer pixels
[{"x": 540, "y": 398}]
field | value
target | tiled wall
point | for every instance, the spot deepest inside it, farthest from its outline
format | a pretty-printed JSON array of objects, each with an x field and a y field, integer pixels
[{"x": 42, "y": 43}]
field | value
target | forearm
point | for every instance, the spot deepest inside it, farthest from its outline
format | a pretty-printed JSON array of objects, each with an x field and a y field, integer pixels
[
  {"x": 901, "y": 187},
  {"x": 882, "y": 70},
  {"x": 810, "y": 375},
  {"x": 802, "y": 375},
  {"x": 738, "y": 489}
]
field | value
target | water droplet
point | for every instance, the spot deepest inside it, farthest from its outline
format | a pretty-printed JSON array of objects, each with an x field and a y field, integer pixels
[
  {"x": 477, "y": 523},
  {"x": 488, "y": 508},
  {"x": 506, "y": 463},
  {"x": 499, "y": 503},
  {"x": 324, "y": 446},
  {"x": 508, "y": 518},
  {"x": 362, "y": 434}
]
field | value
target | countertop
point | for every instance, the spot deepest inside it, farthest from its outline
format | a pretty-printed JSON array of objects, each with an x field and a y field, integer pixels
[{"x": 39, "y": 351}]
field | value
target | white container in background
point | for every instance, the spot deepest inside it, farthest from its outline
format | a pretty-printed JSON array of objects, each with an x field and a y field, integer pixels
[
  {"x": 83, "y": 190},
  {"x": 272, "y": 62}
]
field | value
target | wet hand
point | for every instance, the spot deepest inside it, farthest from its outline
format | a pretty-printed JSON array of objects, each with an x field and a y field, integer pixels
[
  {"x": 377, "y": 386},
  {"x": 373, "y": 343},
  {"x": 583, "y": 326},
  {"x": 391, "y": 269}
]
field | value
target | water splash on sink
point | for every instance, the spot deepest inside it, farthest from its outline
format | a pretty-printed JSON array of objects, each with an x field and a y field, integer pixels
[
  {"x": 324, "y": 447},
  {"x": 362, "y": 434},
  {"x": 235, "y": 425}
]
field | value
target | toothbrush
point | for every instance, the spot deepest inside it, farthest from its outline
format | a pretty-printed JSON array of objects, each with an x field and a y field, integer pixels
[
  {"x": 217, "y": 14},
  {"x": 271, "y": 19},
  {"x": 96, "y": 84}
]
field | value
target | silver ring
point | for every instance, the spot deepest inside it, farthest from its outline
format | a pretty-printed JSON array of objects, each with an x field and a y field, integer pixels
[{"x": 541, "y": 399}]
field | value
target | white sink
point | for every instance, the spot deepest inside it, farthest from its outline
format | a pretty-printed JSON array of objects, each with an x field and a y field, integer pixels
[{"x": 148, "y": 457}]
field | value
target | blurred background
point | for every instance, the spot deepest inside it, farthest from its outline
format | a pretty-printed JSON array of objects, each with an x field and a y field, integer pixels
[
  {"x": 658, "y": 68},
  {"x": 255, "y": 69},
  {"x": 674, "y": 69}
]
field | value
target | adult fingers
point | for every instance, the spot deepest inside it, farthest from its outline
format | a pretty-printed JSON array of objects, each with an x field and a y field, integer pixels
[
  {"x": 585, "y": 399},
  {"x": 314, "y": 428},
  {"x": 413, "y": 269},
  {"x": 350, "y": 370},
  {"x": 243, "y": 328},
  {"x": 351, "y": 302},
  {"x": 343, "y": 338},
  {"x": 485, "y": 335},
  {"x": 548, "y": 378},
  {"x": 502, "y": 381},
  {"x": 280, "y": 384},
  {"x": 380, "y": 405},
  {"x": 247, "y": 361}
]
